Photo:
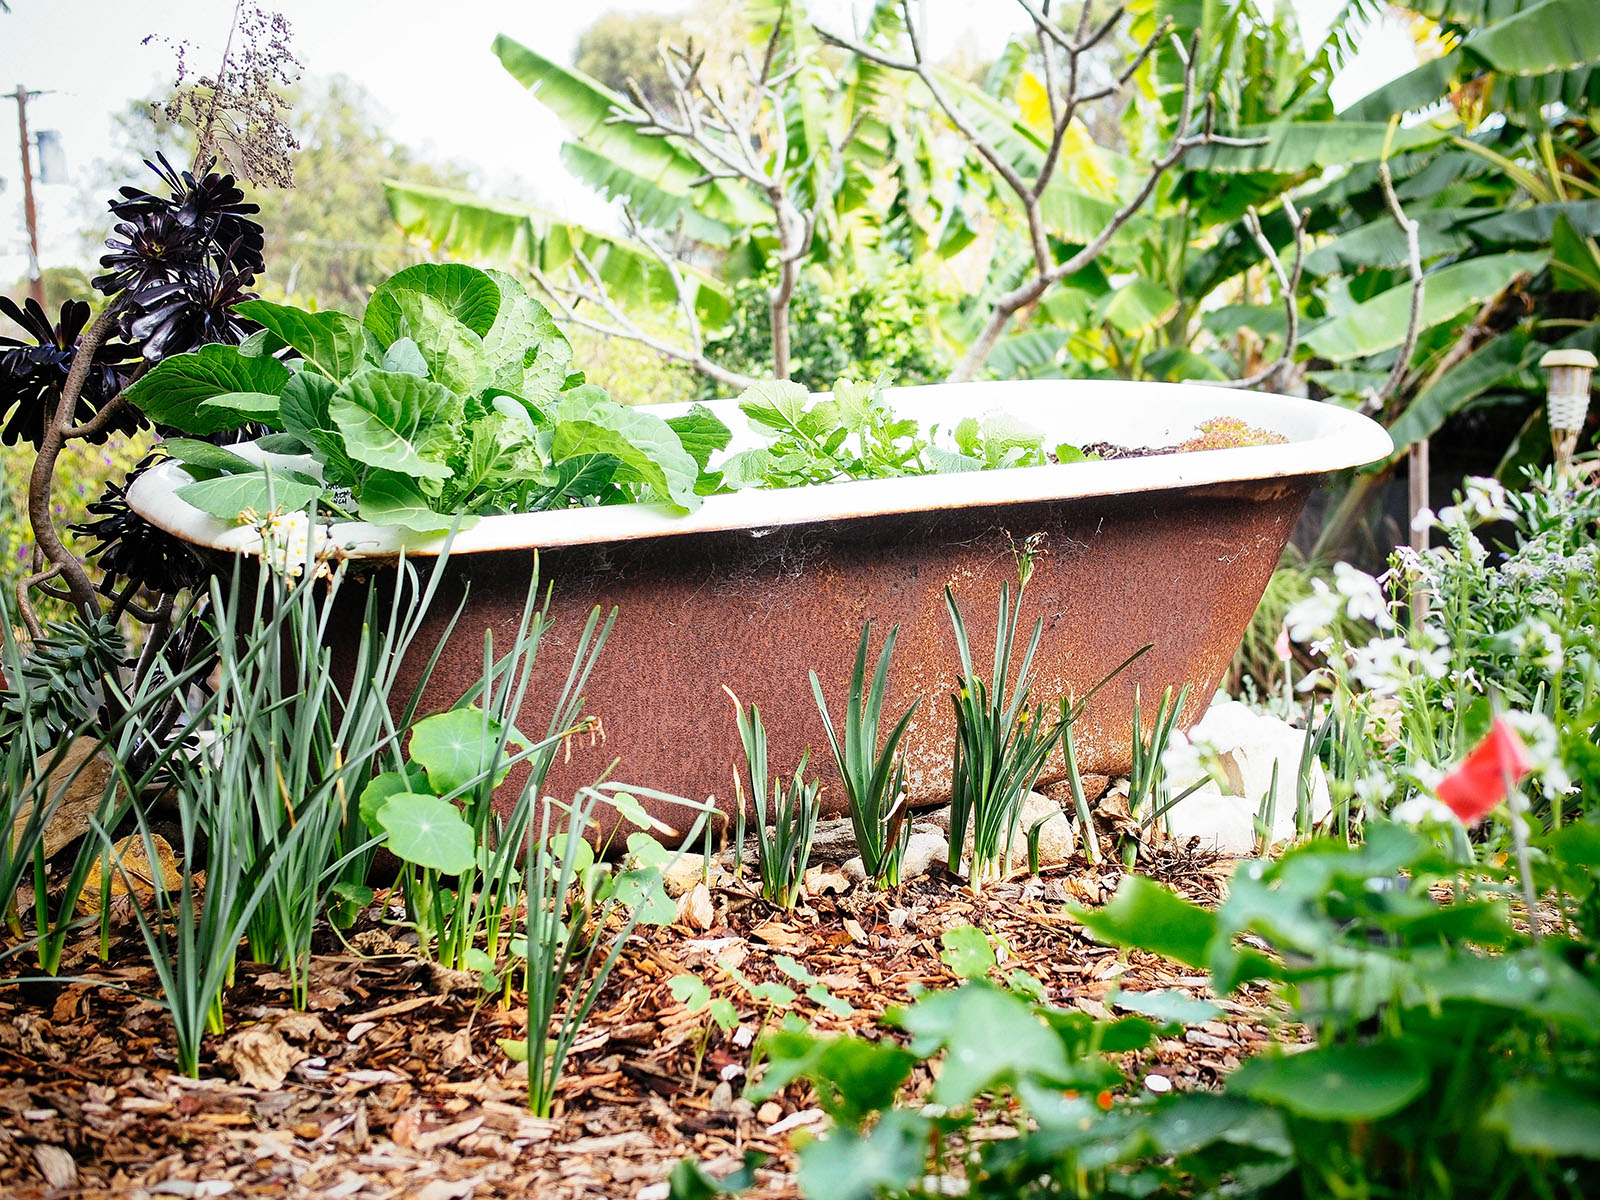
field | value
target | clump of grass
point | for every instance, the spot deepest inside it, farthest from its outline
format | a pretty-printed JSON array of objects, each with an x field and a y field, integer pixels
[
  {"x": 783, "y": 838},
  {"x": 874, "y": 775}
]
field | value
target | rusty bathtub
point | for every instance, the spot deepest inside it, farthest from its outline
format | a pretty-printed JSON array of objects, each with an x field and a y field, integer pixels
[{"x": 757, "y": 588}]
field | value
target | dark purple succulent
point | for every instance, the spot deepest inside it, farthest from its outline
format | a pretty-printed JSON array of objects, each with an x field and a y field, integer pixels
[
  {"x": 177, "y": 263},
  {"x": 32, "y": 374},
  {"x": 129, "y": 547}
]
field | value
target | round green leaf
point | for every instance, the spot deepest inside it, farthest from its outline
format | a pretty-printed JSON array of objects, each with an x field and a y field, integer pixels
[
  {"x": 1336, "y": 1083},
  {"x": 427, "y": 832}
]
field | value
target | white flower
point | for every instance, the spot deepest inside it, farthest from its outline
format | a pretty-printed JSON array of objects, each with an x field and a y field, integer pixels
[
  {"x": 1423, "y": 810},
  {"x": 1364, "y": 599},
  {"x": 1424, "y": 520},
  {"x": 1314, "y": 615},
  {"x": 1383, "y": 665},
  {"x": 1485, "y": 498},
  {"x": 287, "y": 545}
]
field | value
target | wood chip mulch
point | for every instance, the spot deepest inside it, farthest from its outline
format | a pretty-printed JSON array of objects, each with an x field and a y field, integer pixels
[{"x": 393, "y": 1083}]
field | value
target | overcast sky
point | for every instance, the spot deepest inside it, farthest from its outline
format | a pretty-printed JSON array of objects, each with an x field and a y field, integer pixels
[{"x": 426, "y": 64}]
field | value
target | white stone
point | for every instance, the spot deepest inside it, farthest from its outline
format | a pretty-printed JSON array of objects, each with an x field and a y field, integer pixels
[
  {"x": 1241, "y": 746},
  {"x": 923, "y": 849}
]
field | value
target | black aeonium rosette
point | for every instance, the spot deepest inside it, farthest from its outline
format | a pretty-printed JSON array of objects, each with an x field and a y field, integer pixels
[
  {"x": 178, "y": 263},
  {"x": 129, "y": 547},
  {"x": 32, "y": 374}
]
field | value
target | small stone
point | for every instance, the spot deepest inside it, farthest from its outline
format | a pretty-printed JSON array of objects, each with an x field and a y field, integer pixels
[
  {"x": 1057, "y": 839},
  {"x": 769, "y": 1112},
  {"x": 695, "y": 909},
  {"x": 722, "y": 1097},
  {"x": 922, "y": 851},
  {"x": 854, "y": 870},
  {"x": 683, "y": 874}
]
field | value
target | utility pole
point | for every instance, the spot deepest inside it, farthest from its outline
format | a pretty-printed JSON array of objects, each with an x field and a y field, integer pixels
[{"x": 30, "y": 213}]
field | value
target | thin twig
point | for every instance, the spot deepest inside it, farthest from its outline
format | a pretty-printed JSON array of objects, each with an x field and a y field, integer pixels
[{"x": 1274, "y": 372}]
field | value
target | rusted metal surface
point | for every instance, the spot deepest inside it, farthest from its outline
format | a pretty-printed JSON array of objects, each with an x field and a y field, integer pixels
[{"x": 757, "y": 609}]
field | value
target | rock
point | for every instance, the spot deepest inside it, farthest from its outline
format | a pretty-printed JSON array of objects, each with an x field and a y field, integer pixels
[
  {"x": 80, "y": 794},
  {"x": 923, "y": 849},
  {"x": 1242, "y": 747},
  {"x": 682, "y": 874},
  {"x": 1057, "y": 839},
  {"x": 694, "y": 908},
  {"x": 818, "y": 881}
]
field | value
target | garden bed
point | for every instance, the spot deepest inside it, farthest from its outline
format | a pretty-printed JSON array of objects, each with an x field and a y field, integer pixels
[{"x": 400, "y": 1087}]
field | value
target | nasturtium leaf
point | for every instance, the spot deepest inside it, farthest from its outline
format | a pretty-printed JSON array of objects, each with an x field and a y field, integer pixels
[
  {"x": 383, "y": 415},
  {"x": 1168, "y": 1007},
  {"x": 204, "y": 456},
  {"x": 1549, "y": 1119},
  {"x": 647, "y": 852},
  {"x": 1149, "y": 916},
  {"x": 456, "y": 747},
  {"x": 427, "y": 832},
  {"x": 228, "y": 496},
  {"x": 1336, "y": 1083},
  {"x": 466, "y": 293},
  {"x": 172, "y": 392},
  {"x": 330, "y": 341},
  {"x": 967, "y": 951},
  {"x": 390, "y": 498},
  {"x": 516, "y": 1049},
  {"x": 991, "y": 1037},
  {"x": 643, "y": 891},
  {"x": 887, "y": 1160},
  {"x": 630, "y": 810},
  {"x": 405, "y": 358},
  {"x": 382, "y": 787}
]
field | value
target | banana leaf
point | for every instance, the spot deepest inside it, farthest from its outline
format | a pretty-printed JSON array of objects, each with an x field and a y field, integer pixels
[{"x": 1379, "y": 324}]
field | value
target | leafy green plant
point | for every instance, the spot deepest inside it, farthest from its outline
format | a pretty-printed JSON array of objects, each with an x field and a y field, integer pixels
[
  {"x": 451, "y": 396},
  {"x": 579, "y": 919},
  {"x": 873, "y": 774},
  {"x": 783, "y": 836},
  {"x": 437, "y": 812},
  {"x": 1149, "y": 797}
]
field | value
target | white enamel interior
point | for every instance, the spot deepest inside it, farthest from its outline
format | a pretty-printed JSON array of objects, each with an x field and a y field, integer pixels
[{"x": 1321, "y": 438}]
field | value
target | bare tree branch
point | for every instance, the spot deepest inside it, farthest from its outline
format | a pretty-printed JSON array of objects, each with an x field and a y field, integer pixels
[
  {"x": 1065, "y": 101},
  {"x": 1275, "y": 373},
  {"x": 1402, "y": 363}
]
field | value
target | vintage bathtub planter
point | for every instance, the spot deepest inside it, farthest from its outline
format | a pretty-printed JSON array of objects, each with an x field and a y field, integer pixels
[{"x": 756, "y": 588}]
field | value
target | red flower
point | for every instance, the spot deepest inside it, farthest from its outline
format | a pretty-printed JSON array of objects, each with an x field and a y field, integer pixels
[{"x": 1478, "y": 782}]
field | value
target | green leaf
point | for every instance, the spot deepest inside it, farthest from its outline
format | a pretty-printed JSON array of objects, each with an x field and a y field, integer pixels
[
  {"x": 852, "y": 1166},
  {"x": 380, "y": 414},
  {"x": 1168, "y": 1007},
  {"x": 452, "y": 350},
  {"x": 1556, "y": 35},
  {"x": 1489, "y": 366},
  {"x": 1336, "y": 1083},
  {"x": 526, "y": 353},
  {"x": 390, "y": 498},
  {"x": 590, "y": 425},
  {"x": 455, "y": 748},
  {"x": 701, "y": 433},
  {"x": 991, "y": 1036},
  {"x": 1149, "y": 917},
  {"x": 775, "y": 405},
  {"x": 966, "y": 951},
  {"x": 1138, "y": 306},
  {"x": 428, "y": 832},
  {"x": 205, "y": 456},
  {"x": 171, "y": 392},
  {"x": 404, "y": 357},
  {"x": 1295, "y": 146},
  {"x": 259, "y": 406},
  {"x": 228, "y": 496},
  {"x": 383, "y": 788},
  {"x": 464, "y": 293},
  {"x": 330, "y": 341},
  {"x": 1550, "y": 1119},
  {"x": 1380, "y": 323}
]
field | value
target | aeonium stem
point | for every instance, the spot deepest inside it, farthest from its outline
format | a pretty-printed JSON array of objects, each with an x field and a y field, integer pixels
[{"x": 84, "y": 596}]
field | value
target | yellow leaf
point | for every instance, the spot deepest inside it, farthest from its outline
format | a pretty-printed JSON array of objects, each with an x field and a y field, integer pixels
[{"x": 1034, "y": 102}]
